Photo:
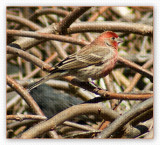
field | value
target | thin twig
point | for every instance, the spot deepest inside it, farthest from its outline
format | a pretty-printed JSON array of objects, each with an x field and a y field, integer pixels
[
  {"x": 136, "y": 67},
  {"x": 83, "y": 133},
  {"x": 138, "y": 76},
  {"x": 40, "y": 12},
  {"x": 98, "y": 13},
  {"x": 35, "y": 71},
  {"x": 79, "y": 126},
  {"x": 110, "y": 95},
  {"x": 21, "y": 117}
]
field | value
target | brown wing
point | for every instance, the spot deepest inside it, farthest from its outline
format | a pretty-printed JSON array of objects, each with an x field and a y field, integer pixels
[
  {"x": 70, "y": 62},
  {"x": 94, "y": 55},
  {"x": 83, "y": 58}
]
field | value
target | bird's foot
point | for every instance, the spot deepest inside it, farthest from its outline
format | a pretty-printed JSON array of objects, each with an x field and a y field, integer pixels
[{"x": 96, "y": 87}]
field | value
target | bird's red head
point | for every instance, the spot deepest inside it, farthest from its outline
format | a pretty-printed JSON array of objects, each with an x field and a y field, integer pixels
[
  {"x": 109, "y": 34},
  {"x": 109, "y": 38}
]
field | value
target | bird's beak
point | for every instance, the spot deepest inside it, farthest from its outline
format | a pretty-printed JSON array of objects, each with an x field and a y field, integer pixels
[{"x": 119, "y": 40}]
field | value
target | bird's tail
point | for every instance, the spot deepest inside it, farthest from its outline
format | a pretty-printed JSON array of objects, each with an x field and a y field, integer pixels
[{"x": 43, "y": 80}]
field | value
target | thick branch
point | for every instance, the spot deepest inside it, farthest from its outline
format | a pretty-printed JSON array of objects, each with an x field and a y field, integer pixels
[
  {"x": 126, "y": 27},
  {"x": 47, "y": 36},
  {"x": 69, "y": 19},
  {"x": 71, "y": 112},
  {"x": 125, "y": 118}
]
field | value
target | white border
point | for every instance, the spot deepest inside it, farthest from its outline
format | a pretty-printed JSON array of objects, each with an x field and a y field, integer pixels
[{"x": 155, "y": 3}]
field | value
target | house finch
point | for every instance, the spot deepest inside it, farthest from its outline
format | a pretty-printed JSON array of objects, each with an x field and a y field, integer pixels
[{"x": 93, "y": 61}]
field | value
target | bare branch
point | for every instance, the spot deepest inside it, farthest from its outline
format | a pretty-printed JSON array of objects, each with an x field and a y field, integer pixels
[
  {"x": 25, "y": 55},
  {"x": 23, "y": 21},
  {"x": 126, "y": 27},
  {"x": 136, "y": 67},
  {"x": 40, "y": 12},
  {"x": 69, "y": 19},
  {"x": 25, "y": 95},
  {"x": 47, "y": 36},
  {"x": 138, "y": 76},
  {"x": 125, "y": 118},
  {"x": 109, "y": 95},
  {"x": 21, "y": 117},
  {"x": 76, "y": 125},
  {"x": 71, "y": 112}
]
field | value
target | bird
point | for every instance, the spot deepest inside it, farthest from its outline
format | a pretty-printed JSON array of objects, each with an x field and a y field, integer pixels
[
  {"x": 92, "y": 62},
  {"x": 52, "y": 101}
]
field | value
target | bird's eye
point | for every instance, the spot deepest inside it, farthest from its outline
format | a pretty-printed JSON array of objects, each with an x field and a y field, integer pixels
[{"x": 113, "y": 38}]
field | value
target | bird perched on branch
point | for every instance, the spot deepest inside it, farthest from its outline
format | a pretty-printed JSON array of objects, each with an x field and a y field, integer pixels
[{"x": 93, "y": 61}]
